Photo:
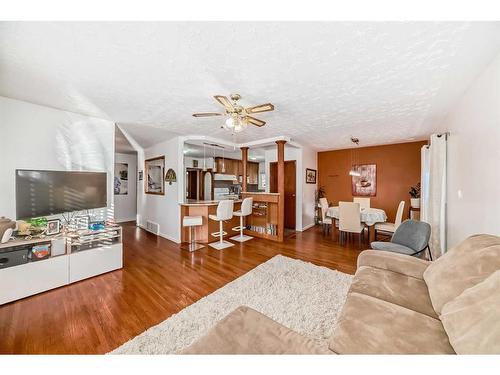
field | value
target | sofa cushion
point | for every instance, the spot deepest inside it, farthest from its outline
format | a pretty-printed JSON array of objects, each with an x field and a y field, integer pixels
[
  {"x": 369, "y": 325},
  {"x": 462, "y": 267},
  {"x": 395, "y": 262},
  {"x": 246, "y": 331},
  {"x": 402, "y": 290},
  {"x": 471, "y": 320}
]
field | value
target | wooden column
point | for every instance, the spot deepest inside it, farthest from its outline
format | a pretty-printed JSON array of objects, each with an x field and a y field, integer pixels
[
  {"x": 281, "y": 188},
  {"x": 244, "y": 162}
]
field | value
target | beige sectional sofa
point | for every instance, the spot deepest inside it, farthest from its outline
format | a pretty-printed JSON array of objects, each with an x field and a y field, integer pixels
[{"x": 397, "y": 304}]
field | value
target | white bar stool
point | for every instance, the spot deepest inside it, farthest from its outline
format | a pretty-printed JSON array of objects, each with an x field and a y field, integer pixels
[
  {"x": 224, "y": 212},
  {"x": 246, "y": 209},
  {"x": 191, "y": 222}
]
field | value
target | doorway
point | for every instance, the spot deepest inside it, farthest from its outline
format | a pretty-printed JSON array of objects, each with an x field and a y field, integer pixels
[
  {"x": 192, "y": 185},
  {"x": 290, "y": 189}
]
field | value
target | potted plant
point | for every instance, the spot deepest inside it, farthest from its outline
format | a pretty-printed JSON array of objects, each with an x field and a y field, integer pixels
[{"x": 415, "y": 196}]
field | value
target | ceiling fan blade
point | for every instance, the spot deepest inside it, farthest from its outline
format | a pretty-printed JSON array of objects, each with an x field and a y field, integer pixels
[
  {"x": 207, "y": 114},
  {"x": 225, "y": 102},
  {"x": 254, "y": 121},
  {"x": 260, "y": 108}
]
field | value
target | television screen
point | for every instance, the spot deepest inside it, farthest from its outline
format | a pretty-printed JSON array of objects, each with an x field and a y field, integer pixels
[{"x": 45, "y": 193}]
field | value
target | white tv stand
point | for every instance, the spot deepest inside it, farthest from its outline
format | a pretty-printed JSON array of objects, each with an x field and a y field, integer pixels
[{"x": 88, "y": 253}]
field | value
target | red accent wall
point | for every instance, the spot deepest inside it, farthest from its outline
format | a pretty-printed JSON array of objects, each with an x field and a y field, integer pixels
[{"x": 398, "y": 168}]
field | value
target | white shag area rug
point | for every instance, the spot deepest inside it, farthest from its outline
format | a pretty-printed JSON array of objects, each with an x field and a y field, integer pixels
[{"x": 300, "y": 295}]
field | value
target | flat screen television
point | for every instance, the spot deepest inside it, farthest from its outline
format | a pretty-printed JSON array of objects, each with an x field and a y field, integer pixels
[{"x": 45, "y": 193}]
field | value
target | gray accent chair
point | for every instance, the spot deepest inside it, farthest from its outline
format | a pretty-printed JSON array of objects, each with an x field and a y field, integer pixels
[{"x": 411, "y": 238}]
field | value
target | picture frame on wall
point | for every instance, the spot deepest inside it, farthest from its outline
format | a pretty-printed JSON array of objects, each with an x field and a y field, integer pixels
[
  {"x": 364, "y": 182},
  {"x": 121, "y": 179},
  {"x": 154, "y": 169},
  {"x": 310, "y": 176}
]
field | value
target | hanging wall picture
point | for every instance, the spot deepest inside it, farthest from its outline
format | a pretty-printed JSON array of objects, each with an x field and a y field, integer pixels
[
  {"x": 154, "y": 171},
  {"x": 364, "y": 183},
  {"x": 310, "y": 176},
  {"x": 121, "y": 179}
]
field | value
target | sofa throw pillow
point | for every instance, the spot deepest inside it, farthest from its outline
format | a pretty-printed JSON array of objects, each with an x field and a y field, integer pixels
[
  {"x": 471, "y": 320},
  {"x": 462, "y": 267}
]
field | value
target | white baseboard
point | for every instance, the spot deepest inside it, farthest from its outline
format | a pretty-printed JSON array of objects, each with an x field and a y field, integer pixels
[
  {"x": 307, "y": 227},
  {"x": 170, "y": 238},
  {"x": 166, "y": 236},
  {"x": 125, "y": 220}
]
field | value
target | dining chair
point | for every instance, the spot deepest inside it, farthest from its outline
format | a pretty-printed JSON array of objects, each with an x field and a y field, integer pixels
[
  {"x": 363, "y": 202},
  {"x": 327, "y": 221},
  {"x": 350, "y": 220},
  {"x": 411, "y": 238},
  {"x": 390, "y": 228}
]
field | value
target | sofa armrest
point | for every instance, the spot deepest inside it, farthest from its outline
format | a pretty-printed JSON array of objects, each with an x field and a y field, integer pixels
[{"x": 400, "y": 263}]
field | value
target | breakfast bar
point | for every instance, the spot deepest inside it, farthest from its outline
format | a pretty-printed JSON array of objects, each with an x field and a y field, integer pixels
[{"x": 193, "y": 207}]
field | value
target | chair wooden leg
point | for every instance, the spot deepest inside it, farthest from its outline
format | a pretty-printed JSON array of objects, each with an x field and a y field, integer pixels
[
  {"x": 430, "y": 254},
  {"x": 359, "y": 240}
]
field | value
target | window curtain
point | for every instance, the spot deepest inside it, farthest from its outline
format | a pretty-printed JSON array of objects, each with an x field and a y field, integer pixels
[{"x": 433, "y": 192}]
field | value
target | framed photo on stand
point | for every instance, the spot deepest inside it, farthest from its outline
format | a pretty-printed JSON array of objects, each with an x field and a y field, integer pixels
[{"x": 53, "y": 227}]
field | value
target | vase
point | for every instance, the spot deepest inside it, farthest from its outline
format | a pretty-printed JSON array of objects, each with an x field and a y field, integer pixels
[{"x": 415, "y": 202}]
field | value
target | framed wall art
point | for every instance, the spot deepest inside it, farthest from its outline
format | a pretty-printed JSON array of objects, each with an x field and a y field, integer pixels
[
  {"x": 310, "y": 176},
  {"x": 121, "y": 179},
  {"x": 154, "y": 172},
  {"x": 364, "y": 182}
]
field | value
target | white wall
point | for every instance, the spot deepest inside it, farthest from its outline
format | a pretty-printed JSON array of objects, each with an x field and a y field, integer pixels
[
  {"x": 474, "y": 159},
  {"x": 309, "y": 160},
  {"x": 38, "y": 137},
  {"x": 163, "y": 209},
  {"x": 126, "y": 205}
]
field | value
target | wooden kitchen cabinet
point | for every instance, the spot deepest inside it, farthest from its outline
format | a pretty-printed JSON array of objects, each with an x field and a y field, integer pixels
[
  {"x": 235, "y": 167},
  {"x": 253, "y": 173}
]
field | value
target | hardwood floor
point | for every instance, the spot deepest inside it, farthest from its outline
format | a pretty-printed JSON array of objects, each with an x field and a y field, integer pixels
[{"x": 158, "y": 279}]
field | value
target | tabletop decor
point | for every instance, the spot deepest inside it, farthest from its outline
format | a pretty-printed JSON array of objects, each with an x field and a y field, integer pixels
[
  {"x": 415, "y": 196},
  {"x": 364, "y": 180},
  {"x": 53, "y": 227},
  {"x": 154, "y": 182}
]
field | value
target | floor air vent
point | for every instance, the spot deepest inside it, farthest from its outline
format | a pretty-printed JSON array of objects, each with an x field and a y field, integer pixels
[{"x": 153, "y": 227}]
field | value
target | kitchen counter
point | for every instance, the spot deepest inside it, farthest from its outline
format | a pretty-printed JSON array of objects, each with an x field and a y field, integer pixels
[
  {"x": 194, "y": 207},
  {"x": 197, "y": 202},
  {"x": 258, "y": 193}
]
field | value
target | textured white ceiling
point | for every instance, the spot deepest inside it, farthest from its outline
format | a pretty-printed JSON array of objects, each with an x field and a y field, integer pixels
[
  {"x": 122, "y": 145},
  {"x": 382, "y": 82}
]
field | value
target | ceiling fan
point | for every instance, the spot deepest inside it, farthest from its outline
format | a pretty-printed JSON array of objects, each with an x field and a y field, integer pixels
[{"x": 238, "y": 117}]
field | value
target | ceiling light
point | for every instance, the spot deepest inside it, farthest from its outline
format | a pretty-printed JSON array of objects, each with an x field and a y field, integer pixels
[
  {"x": 354, "y": 162},
  {"x": 204, "y": 159},
  {"x": 229, "y": 124},
  {"x": 354, "y": 173}
]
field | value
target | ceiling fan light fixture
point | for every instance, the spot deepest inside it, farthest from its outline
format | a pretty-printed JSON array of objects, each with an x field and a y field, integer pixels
[
  {"x": 240, "y": 126},
  {"x": 230, "y": 123}
]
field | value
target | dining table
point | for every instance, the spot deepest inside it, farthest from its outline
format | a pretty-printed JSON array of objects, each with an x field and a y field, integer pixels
[{"x": 370, "y": 216}]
